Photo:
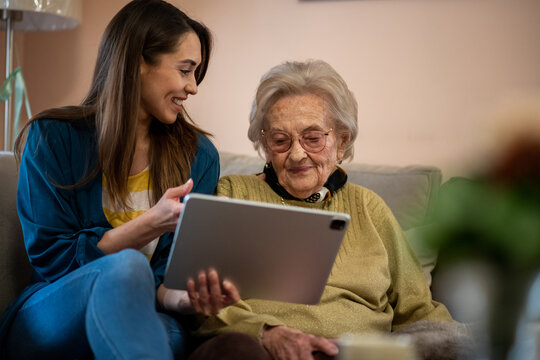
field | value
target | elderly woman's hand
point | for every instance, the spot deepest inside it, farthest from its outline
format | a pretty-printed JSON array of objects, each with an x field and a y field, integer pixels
[
  {"x": 285, "y": 343},
  {"x": 207, "y": 296}
]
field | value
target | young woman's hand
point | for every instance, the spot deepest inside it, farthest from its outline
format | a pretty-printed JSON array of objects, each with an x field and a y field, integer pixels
[
  {"x": 167, "y": 210},
  {"x": 159, "y": 219},
  {"x": 285, "y": 343},
  {"x": 208, "y": 295}
]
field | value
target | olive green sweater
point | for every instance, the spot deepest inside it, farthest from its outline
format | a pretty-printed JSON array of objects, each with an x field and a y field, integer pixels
[{"x": 376, "y": 283}]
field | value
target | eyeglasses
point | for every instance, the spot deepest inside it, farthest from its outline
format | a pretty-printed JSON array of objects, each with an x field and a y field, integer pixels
[{"x": 312, "y": 141}]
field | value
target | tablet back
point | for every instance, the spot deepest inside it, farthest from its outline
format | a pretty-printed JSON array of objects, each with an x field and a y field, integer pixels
[{"x": 268, "y": 251}]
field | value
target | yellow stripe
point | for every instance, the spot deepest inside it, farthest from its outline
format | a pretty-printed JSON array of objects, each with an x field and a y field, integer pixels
[
  {"x": 139, "y": 189},
  {"x": 138, "y": 182},
  {"x": 119, "y": 218}
]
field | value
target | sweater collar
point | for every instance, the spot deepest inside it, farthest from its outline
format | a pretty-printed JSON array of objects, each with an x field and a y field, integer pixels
[{"x": 336, "y": 180}]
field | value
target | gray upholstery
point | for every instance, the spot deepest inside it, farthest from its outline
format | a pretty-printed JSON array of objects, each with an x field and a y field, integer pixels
[{"x": 409, "y": 192}]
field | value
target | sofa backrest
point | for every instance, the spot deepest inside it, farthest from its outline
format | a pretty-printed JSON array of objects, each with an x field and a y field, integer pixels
[
  {"x": 409, "y": 191},
  {"x": 14, "y": 264}
]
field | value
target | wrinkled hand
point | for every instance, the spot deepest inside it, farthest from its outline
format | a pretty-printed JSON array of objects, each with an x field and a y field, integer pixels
[
  {"x": 286, "y": 343},
  {"x": 167, "y": 210},
  {"x": 208, "y": 296}
]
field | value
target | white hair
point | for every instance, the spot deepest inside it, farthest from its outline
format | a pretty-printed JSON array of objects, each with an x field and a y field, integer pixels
[{"x": 311, "y": 77}]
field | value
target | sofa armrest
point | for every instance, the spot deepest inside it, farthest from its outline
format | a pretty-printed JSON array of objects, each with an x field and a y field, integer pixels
[{"x": 14, "y": 264}]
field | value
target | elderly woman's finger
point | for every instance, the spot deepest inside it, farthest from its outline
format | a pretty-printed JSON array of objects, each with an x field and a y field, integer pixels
[
  {"x": 324, "y": 345},
  {"x": 204, "y": 297},
  {"x": 193, "y": 296},
  {"x": 231, "y": 292},
  {"x": 214, "y": 287}
]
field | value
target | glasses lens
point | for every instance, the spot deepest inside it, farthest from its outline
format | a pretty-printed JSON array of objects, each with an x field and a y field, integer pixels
[
  {"x": 279, "y": 142},
  {"x": 314, "y": 141}
]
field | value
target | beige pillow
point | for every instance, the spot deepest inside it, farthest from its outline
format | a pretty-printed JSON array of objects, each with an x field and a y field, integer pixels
[{"x": 426, "y": 255}]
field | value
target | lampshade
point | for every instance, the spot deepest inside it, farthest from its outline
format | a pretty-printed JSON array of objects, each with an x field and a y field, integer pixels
[{"x": 43, "y": 15}]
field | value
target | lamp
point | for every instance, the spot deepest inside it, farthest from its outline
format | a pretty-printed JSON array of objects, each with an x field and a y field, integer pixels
[{"x": 32, "y": 15}]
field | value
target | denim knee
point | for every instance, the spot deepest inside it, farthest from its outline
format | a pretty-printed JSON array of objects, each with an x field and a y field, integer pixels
[
  {"x": 127, "y": 266},
  {"x": 121, "y": 319}
]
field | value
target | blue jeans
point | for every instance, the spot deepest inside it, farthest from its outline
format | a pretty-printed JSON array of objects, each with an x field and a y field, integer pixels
[{"x": 105, "y": 309}]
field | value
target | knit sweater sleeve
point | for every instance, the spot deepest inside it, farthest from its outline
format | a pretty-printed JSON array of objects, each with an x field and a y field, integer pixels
[
  {"x": 409, "y": 295},
  {"x": 237, "y": 318}
]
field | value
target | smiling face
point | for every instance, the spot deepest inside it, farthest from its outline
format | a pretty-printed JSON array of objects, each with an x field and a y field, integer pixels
[
  {"x": 300, "y": 172},
  {"x": 167, "y": 84}
]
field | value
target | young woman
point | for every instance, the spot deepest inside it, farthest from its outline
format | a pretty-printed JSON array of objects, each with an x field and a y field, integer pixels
[{"x": 99, "y": 195}]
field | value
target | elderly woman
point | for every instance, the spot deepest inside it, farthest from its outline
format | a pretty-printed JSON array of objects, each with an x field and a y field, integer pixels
[{"x": 304, "y": 120}]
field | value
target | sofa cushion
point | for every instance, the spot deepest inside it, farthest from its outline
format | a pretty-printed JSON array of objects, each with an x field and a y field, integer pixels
[
  {"x": 14, "y": 264},
  {"x": 231, "y": 164},
  {"x": 409, "y": 191},
  {"x": 427, "y": 256}
]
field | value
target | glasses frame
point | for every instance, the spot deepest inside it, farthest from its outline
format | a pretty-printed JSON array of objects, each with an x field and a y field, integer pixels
[{"x": 300, "y": 140}]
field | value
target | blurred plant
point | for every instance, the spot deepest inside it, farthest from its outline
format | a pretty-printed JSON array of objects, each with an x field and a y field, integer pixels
[{"x": 495, "y": 219}]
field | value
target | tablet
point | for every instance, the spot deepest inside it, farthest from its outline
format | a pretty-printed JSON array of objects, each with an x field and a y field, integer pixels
[{"x": 272, "y": 252}]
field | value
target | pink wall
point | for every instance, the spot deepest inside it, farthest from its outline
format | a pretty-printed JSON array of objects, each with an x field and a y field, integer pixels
[{"x": 428, "y": 74}]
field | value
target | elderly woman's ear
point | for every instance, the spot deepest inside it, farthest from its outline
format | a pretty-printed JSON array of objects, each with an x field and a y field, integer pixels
[
  {"x": 267, "y": 154},
  {"x": 343, "y": 141}
]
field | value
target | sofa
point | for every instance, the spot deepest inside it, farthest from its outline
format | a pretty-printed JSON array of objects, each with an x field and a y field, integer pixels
[{"x": 410, "y": 192}]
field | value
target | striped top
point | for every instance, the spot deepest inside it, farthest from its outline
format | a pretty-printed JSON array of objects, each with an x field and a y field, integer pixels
[{"x": 140, "y": 192}]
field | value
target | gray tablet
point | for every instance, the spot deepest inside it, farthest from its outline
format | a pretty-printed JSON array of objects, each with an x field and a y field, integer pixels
[{"x": 268, "y": 251}]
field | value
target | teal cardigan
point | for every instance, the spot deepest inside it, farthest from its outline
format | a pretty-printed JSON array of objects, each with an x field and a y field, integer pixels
[{"x": 61, "y": 228}]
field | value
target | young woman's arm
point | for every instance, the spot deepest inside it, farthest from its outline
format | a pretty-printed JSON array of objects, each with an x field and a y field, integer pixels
[
  {"x": 61, "y": 227},
  {"x": 159, "y": 219},
  {"x": 163, "y": 217}
]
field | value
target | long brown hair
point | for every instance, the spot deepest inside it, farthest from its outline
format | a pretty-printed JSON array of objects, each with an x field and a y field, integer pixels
[{"x": 143, "y": 29}]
